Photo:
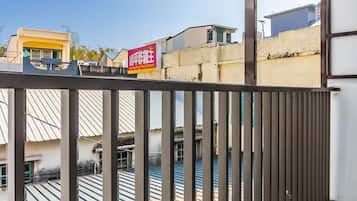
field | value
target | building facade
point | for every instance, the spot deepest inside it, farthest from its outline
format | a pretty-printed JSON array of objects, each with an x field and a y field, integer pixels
[
  {"x": 290, "y": 59},
  {"x": 293, "y": 19},
  {"x": 114, "y": 59},
  {"x": 200, "y": 36},
  {"x": 38, "y": 44}
]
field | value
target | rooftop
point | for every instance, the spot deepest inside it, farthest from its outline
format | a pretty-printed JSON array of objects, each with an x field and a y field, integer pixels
[
  {"x": 309, "y": 6},
  {"x": 90, "y": 187},
  {"x": 44, "y": 119}
]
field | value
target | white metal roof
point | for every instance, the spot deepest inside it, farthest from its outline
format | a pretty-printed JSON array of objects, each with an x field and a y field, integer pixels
[
  {"x": 43, "y": 113},
  {"x": 90, "y": 187},
  {"x": 44, "y": 117}
]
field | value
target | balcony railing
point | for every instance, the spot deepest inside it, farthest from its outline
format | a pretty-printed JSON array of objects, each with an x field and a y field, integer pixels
[{"x": 285, "y": 129}]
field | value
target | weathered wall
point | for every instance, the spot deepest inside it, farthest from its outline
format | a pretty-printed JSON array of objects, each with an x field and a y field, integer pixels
[
  {"x": 291, "y": 59},
  {"x": 48, "y": 152}
]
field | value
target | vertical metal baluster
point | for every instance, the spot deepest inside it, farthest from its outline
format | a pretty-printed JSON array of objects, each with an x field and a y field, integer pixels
[
  {"x": 247, "y": 153},
  {"x": 69, "y": 137},
  {"x": 319, "y": 146},
  {"x": 236, "y": 146},
  {"x": 289, "y": 146},
  {"x": 16, "y": 143},
  {"x": 282, "y": 146},
  {"x": 207, "y": 141},
  {"x": 275, "y": 147},
  {"x": 313, "y": 147},
  {"x": 309, "y": 148},
  {"x": 223, "y": 147},
  {"x": 110, "y": 144},
  {"x": 257, "y": 162},
  {"x": 325, "y": 147},
  {"x": 142, "y": 115},
  {"x": 300, "y": 146},
  {"x": 167, "y": 140},
  {"x": 189, "y": 145},
  {"x": 295, "y": 148},
  {"x": 328, "y": 135},
  {"x": 305, "y": 146},
  {"x": 267, "y": 145}
]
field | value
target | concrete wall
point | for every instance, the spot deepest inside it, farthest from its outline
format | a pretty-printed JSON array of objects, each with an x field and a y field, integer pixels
[
  {"x": 291, "y": 59},
  {"x": 48, "y": 152}
]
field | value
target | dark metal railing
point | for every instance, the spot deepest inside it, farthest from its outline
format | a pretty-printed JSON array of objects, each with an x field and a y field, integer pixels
[{"x": 285, "y": 139}]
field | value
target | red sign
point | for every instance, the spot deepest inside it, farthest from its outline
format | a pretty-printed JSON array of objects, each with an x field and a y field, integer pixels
[{"x": 142, "y": 59}]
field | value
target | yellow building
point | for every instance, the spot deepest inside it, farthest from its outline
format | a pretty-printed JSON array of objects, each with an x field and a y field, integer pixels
[
  {"x": 291, "y": 59},
  {"x": 38, "y": 44}
]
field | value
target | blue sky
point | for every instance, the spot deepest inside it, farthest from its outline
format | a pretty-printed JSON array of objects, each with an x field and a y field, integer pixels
[{"x": 128, "y": 23}]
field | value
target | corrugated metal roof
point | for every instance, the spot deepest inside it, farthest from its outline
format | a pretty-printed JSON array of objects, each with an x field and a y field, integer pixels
[
  {"x": 44, "y": 116},
  {"x": 90, "y": 187}
]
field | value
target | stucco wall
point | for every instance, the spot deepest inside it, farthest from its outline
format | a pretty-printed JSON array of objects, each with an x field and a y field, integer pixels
[
  {"x": 48, "y": 152},
  {"x": 291, "y": 59},
  {"x": 49, "y": 157}
]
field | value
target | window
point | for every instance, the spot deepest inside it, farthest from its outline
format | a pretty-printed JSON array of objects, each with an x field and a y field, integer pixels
[
  {"x": 229, "y": 38},
  {"x": 179, "y": 152},
  {"x": 57, "y": 54},
  {"x": 122, "y": 159},
  {"x": 209, "y": 36},
  {"x": 47, "y": 54},
  {"x": 28, "y": 173},
  {"x": 220, "y": 36},
  {"x": 35, "y": 54}
]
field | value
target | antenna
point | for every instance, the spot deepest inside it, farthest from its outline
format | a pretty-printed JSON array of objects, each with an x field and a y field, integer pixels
[{"x": 74, "y": 35}]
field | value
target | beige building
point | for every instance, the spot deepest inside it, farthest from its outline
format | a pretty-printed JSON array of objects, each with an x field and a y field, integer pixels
[
  {"x": 37, "y": 44},
  {"x": 291, "y": 59},
  {"x": 114, "y": 59},
  {"x": 200, "y": 36}
]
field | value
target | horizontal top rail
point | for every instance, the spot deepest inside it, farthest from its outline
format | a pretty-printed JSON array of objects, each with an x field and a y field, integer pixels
[{"x": 17, "y": 80}]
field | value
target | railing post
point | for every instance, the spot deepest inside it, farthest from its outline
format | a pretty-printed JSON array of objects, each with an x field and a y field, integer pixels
[
  {"x": 257, "y": 162},
  {"x": 294, "y": 146},
  {"x": 223, "y": 147},
  {"x": 167, "y": 140},
  {"x": 267, "y": 106},
  {"x": 300, "y": 147},
  {"x": 207, "y": 141},
  {"x": 236, "y": 146},
  {"x": 250, "y": 70},
  {"x": 110, "y": 138},
  {"x": 189, "y": 145},
  {"x": 16, "y": 143},
  {"x": 69, "y": 136},
  {"x": 142, "y": 119},
  {"x": 282, "y": 146},
  {"x": 275, "y": 147},
  {"x": 288, "y": 147},
  {"x": 247, "y": 154},
  {"x": 305, "y": 145}
]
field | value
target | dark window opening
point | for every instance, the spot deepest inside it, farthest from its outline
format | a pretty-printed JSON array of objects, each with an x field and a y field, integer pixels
[
  {"x": 28, "y": 173},
  {"x": 209, "y": 36},
  {"x": 229, "y": 38}
]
